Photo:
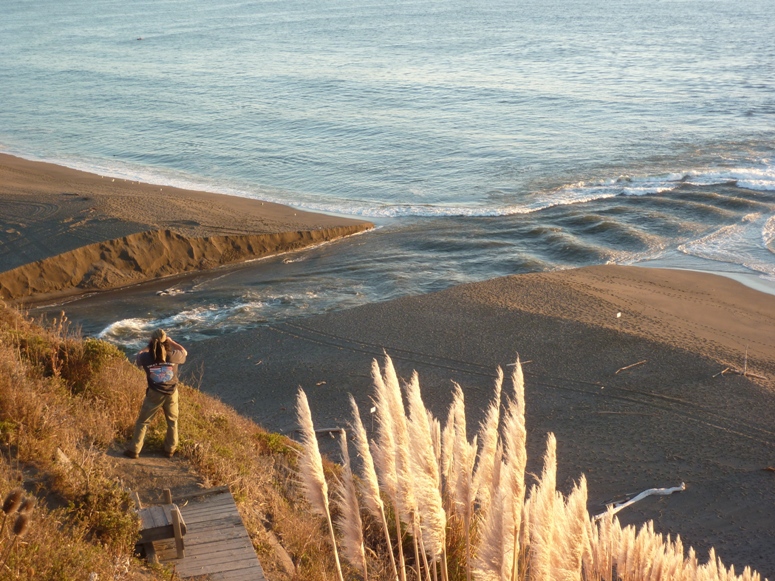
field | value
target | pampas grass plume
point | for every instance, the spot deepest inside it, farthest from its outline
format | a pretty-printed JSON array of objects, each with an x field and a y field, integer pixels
[
  {"x": 313, "y": 479},
  {"x": 311, "y": 464},
  {"x": 369, "y": 484},
  {"x": 488, "y": 436},
  {"x": 349, "y": 521},
  {"x": 542, "y": 536},
  {"x": 542, "y": 516},
  {"x": 427, "y": 480},
  {"x": 385, "y": 449}
]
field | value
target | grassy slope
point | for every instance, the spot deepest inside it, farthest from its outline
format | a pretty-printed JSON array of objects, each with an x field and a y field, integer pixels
[{"x": 81, "y": 396}]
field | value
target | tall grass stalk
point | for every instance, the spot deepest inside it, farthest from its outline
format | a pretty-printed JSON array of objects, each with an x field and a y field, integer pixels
[
  {"x": 426, "y": 477},
  {"x": 369, "y": 484},
  {"x": 349, "y": 521},
  {"x": 488, "y": 436},
  {"x": 313, "y": 479},
  {"x": 405, "y": 476},
  {"x": 385, "y": 455},
  {"x": 515, "y": 449},
  {"x": 425, "y": 470}
]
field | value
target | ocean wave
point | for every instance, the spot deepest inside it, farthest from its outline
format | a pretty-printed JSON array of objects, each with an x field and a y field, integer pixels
[
  {"x": 768, "y": 234},
  {"x": 747, "y": 243},
  {"x": 759, "y": 176}
]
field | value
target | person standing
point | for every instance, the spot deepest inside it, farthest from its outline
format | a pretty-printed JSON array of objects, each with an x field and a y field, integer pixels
[{"x": 160, "y": 361}]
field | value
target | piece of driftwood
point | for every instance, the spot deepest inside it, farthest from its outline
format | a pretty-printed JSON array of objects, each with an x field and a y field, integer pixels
[
  {"x": 624, "y": 413},
  {"x": 742, "y": 372},
  {"x": 650, "y": 492},
  {"x": 626, "y": 367}
]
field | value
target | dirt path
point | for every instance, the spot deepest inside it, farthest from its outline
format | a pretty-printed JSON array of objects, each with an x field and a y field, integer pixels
[{"x": 151, "y": 473}]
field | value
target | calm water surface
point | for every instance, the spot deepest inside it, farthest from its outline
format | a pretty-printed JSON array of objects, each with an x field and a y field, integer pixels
[{"x": 484, "y": 138}]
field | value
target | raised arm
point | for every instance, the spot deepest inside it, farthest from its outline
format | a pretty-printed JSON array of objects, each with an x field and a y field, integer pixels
[{"x": 176, "y": 345}]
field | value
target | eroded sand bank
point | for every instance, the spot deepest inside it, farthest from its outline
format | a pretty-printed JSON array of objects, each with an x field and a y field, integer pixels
[{"x": 67, "y": 230}]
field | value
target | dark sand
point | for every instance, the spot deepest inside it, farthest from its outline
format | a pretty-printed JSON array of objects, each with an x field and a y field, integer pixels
[
  {"x": 658, "y": 424},
  {"x": 65, "y": 230}
]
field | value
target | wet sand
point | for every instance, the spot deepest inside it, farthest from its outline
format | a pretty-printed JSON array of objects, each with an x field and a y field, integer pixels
[
  {"x": 672, "y": 419},
  {"x": 63, "y": 230}
]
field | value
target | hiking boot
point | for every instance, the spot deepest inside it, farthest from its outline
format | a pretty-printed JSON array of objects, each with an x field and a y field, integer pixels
[{"x": 130, "y": 454}]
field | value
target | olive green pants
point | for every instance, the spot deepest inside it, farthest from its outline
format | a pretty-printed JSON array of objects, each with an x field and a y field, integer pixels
[{"x": 153, "y": 401}]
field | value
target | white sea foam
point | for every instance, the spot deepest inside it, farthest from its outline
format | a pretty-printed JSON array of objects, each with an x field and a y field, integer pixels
[
  {"x": 746, "y": 243},
  {"x": 768, "y": 234},
  {"x": 759, "y": 176},
  {"x": 202, "y": 322},
  {"x": 134, "y": 332}
]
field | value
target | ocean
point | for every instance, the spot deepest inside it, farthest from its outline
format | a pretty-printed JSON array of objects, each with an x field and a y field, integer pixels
[{"x": 483, "y": 138}]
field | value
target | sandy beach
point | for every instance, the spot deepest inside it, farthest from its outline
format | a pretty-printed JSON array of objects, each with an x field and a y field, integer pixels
[
  {"x": 632, "y": 368},
  {"x": 673, "y": 418},
  {"x": 63, "y": 230}
]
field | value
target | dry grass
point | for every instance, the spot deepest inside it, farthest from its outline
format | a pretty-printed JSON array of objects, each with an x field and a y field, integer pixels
[
  {"x": 58, "y": 392},
  {"x": 52, "y": 443}
]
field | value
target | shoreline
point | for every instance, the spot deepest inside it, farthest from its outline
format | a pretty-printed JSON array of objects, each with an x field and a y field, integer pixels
[
  {"x": 66, "y": 231},
  {"x": 672, "y": 418}
]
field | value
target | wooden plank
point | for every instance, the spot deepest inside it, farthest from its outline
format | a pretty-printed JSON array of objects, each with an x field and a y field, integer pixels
[
  {"x": 186, "y": 567},
  {"x": 208, "y": 543},
  {"x": 199, "y": 506},
  {"x": 150, "y": 554},
  {"x": 189, "y": 568},
  {"x": 168, "y": 514},
  {"x": 235, "y": 554},
  {"x": 198, "y": 551},
  {"x": 217, "y": 543},
  {"x": 253, "y": 574},
  {"x": 154, "y": 516},
  {"x": 212, "y": 512},
  {"x": 203, "y": 518},
  {"x": 212, "y": 499},
  {"x": 176, "y": 526},
  {"x": 200, "y": 537},
  {"x": 209, "y": 510},
  {"x": 207, "y": 507},
  {"x": 157, "y": 534},
  {"x": 219, "y": 500},
  {"x": 213, "y": 534}
]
